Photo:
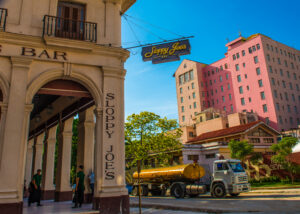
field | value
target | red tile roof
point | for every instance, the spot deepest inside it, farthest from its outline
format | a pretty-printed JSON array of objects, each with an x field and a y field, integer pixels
[
  {"x": 295, "y": 157},
  {"x": 225, "y": 132}
]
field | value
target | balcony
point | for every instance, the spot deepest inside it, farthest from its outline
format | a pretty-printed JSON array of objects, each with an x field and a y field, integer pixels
[
  {"x": 3, "y": 15},
  {"x": 70, "y": 29}
]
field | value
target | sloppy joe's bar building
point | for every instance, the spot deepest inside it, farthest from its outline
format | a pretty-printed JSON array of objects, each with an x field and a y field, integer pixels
[{"x": 59, "y": 59}]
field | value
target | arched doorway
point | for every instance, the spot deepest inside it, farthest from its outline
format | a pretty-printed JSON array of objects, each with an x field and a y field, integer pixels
[{"x": 52, "y": 146}]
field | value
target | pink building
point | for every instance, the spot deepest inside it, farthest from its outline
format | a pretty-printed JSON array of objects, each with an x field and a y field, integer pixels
[{"x": 257, "y": 74}]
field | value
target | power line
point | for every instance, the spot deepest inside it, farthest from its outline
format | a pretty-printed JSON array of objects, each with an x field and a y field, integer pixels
[{"x": 132, "y": 31}]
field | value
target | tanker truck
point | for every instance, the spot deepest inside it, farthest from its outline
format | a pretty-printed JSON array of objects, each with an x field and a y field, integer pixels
[{"x": 228, "y": 177}]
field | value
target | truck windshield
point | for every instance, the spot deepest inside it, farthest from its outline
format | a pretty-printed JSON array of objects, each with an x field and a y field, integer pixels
[{"x": 236, "y": 167}]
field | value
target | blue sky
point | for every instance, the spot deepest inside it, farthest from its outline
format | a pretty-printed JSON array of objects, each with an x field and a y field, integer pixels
[{"x": 151, "y": 87}]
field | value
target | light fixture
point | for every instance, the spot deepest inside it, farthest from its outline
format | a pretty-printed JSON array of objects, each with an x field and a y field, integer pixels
[
  {"x": 49, "y": 109},
  {"x": 37, "y": 118}
]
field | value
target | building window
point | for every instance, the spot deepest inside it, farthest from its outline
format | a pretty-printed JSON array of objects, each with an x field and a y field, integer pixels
[
  {"x": 262, "y": 95},
  {"x": 260, "y": 83},
  {"x": 182, "y": 108},
  {"x": 281, "y": 72},
  {"x": 193, "y": 85},
  {"x": 239, "y": 78},
  {"x": 283, "y": 83},
  {"x": 227, "y": 76},
  {"x": 180, "y": 90},
  {"x": 286, "y": 96},
  {"x": 237, "y": 67},
  {"x": 280, "y": 120},
  {"x": 253, "y": 48},
  {"x": 195, "y": 105},
  {"x": 228, "y": 86},
  {"x": 243, "y": 52},
  {"x": 250, "y": 50},
  {"x": 193, "y": 157},
  {"x": 186, "y": 77},
  {"x": 183, "y": 118},
  {"x": 226, "y": 66},
  {"x": 265, "y": 109},
  {"x": 273, "y": 81},
  {"x": 230, "y": 97},
  {"x": 258, "y": 71},
  {"x": 242, "y": 101},
  {"x": 255, "y": 59},
  {"x": 268, "y": 57},
  {"x": 278, "y": 59},
  {"x": 231, "y": 108},
  {"x": 291, "y": 120},
  {"x": 246, "y": 76},
  {"x": 224, "y": 108},
  {"x": 297, "y": 87},
  {"x": 191, "y": 73},
  {"x": 291, "y": 86},
  {"x": 223, "y": 99},
  {"x": 295, "y": 109},
  {"x": 181, "y": 99},
  {"x": 241, "y": 89},
  {"x": 288, "y": 74},
  {"x": 209, "y": 156},
  {"x": 293, "y": 97},
  {"x": 289, "y": 108},
  {"x": 244, "y": 65},
  {"x": 249, "y": 99},
  {"x": 257, "y": 46},
  {"x": 270, "y": 69},
  {"x": 194, "y": 95},
  {"x": 267, "y": 121},
  {"x": 248, "y": 88},
  {"x": 278, "y": 106},
  {"x": 237, "y": 55},
  {"x": 233, "y": 57},
  {"x": 221, "y": 79},
  {"x": 295, "y": 76}
]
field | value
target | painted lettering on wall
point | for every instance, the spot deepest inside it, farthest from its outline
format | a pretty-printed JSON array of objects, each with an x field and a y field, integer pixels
[
  {"x": 109, "y": 164},
  {"x": 44, "y": 54},
  {"x": 109, "y": 114}
]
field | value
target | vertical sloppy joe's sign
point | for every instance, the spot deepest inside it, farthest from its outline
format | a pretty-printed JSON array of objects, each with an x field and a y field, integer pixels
[
  {"x": 109, "y": 118},
  {"x": 166, "y": 52}
]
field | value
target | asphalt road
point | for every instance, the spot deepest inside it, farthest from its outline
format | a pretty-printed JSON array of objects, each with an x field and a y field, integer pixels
[{"x": 269, "y": 202}]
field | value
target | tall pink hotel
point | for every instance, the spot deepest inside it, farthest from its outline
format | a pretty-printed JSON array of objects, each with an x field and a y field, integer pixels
[{"x": 257, "y": 74}]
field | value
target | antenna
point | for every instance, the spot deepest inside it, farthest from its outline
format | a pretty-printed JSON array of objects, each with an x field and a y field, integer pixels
[{"x": 240, "y": 34}]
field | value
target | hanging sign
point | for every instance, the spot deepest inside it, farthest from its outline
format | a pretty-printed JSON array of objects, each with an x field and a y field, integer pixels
[{"x": 166, "y": 52}]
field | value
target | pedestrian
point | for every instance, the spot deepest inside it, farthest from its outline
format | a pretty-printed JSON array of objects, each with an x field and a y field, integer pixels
[
  {"x": 35, "y": 189},
  {"x": 92, "y": 181},
  {"x": 79, "y": 190}
]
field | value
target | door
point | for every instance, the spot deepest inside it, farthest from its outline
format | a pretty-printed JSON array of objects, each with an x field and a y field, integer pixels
[{"x": 70, "y": 20}]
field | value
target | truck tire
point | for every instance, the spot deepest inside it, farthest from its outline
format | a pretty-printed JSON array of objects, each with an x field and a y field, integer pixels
[
  {"x": 219, "y": 190},
  {"x": 234, "y": 194},
  {"x": 177, "y": 191}
]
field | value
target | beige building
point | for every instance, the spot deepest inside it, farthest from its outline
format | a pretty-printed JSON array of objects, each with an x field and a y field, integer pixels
[{"x": 59, "y": 59}]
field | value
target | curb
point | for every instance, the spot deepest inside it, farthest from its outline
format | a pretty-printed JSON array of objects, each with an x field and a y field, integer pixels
[
  {"x": 192, "y": 209},
  {"x": 275, "y": 188}
]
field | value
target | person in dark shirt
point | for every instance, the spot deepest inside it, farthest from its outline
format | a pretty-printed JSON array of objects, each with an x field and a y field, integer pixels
[
  {"x": 79, "y": 191},
  {"x": 35, "y": 189}
]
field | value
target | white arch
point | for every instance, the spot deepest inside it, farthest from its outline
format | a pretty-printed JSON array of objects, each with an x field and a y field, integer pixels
[{"x": 58, "y": 73}]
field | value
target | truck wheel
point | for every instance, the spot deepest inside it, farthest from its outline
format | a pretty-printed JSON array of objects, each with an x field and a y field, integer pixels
[
  {"x": 177, "y": 191},
  {"x": 234, "y": 194},
  {"x": 219, "y": 190},
  {"x": 163, "y": 191},
  {"x": 145, "y": 191}
]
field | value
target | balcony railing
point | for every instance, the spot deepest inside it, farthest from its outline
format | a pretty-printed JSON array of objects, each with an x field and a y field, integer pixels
[
  {"x": 3, "y": 15},
  {"x": 70, "y": 29}
]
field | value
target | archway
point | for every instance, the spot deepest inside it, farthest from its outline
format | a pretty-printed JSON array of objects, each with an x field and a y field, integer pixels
[{"x": 50, "y": 141}]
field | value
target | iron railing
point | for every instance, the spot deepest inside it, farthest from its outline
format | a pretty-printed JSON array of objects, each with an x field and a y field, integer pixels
[
  {"x": 70, "y": 29},
  {"x": 3, "y": 15}
]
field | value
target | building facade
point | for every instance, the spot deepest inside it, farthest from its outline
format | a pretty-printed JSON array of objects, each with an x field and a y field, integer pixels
[
  {"x": 257, "y": 75},
  {"x": 59, "y": 59}
]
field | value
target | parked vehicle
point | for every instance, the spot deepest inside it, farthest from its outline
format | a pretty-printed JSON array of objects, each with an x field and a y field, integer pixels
[{"x": 228, "y": 177}]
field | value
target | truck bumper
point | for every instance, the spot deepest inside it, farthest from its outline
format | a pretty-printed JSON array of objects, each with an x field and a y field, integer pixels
[{"x": 237, "y": 188}]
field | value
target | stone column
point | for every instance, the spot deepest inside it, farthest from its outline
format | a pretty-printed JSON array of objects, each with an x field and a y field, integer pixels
[
  {"x": 38, "y": 153},
  {"x": 3, "y": 108},
  {"x": 85, "y": 147},
  {"x": 63, "y": 191},
  {"x": 48, "y": 190},
  {"x": 14, "y": 146},
  {"x": 28, "y": 166},
  {"x": 110, "y": 191}
]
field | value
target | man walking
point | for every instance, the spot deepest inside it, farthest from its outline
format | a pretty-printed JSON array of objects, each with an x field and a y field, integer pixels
[
  {"x": 35, "y": 189},
  {"x": 79, "y": 190}
]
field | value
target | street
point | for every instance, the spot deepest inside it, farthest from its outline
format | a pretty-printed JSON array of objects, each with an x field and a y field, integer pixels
[{"x": 287, "y": 201}]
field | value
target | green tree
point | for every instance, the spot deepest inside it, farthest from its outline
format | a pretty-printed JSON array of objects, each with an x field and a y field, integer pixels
[
  {"x": 147, "y": 134},
  {"x": 283, "y": 150},
  {"x": 240, "y": 149}
]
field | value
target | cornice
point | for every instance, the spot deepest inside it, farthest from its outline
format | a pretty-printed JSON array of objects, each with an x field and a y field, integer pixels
[
  {"x": 62, "y": 44},
  {"x": 113, "y": 72},
  {"x": 21, "y": 62}
]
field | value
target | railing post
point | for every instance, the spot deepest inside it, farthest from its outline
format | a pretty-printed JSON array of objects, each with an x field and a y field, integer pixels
[{"x": 44, "y": 26}]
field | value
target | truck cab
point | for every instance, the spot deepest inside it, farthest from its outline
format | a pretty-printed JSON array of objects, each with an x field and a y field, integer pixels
[{"x": 229, "y": 177}]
